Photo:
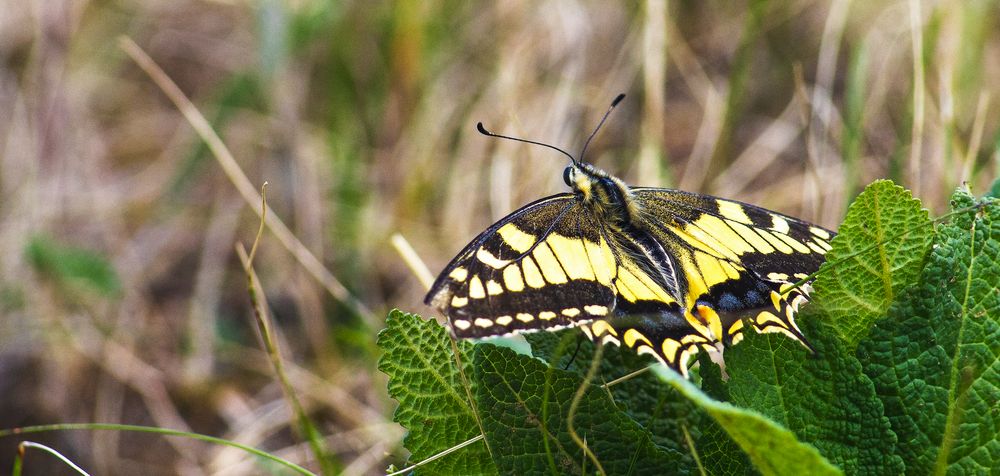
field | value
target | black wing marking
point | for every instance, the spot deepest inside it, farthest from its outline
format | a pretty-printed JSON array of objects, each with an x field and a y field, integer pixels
[
  {"x": 653, "y": 325},
  {"x": 524, "y": 274},
  {"x": 769, "y": 250}
]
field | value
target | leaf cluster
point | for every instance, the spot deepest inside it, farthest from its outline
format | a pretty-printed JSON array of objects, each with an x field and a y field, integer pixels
[{"x": 905, "y": 320}]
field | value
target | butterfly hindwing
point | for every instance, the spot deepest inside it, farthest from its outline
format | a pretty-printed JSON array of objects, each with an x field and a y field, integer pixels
[
  {"x": 739, "y": 259},
  {"x": 664, "y": 335}
]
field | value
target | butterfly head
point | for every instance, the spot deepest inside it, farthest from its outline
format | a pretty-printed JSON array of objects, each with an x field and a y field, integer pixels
[
  {"x": 604, "y": 193},
  {"x": 583, "y": 178}
]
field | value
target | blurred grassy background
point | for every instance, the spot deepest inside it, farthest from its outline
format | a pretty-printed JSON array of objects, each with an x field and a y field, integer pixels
[{"x": 121, "y": 299}]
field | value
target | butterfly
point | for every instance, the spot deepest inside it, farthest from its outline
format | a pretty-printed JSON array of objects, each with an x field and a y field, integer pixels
[{"x": 664, "y": 272}]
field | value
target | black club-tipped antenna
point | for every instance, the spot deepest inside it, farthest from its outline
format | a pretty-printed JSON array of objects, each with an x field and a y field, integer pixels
[
  {"x": 614, "y": 103},
  {"x": 482, "y": 130}
]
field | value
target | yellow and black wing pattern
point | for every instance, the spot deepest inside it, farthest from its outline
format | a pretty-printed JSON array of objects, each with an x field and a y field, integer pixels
[{"x": 679, "y": 273}]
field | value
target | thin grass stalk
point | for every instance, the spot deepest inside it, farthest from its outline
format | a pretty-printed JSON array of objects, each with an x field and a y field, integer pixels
[
  {"x": 155, "y": 430},
  {"x": 243, "y": 185},
  {"x": 21, "y": 452},
  {"x": 654, "y": 77},
  {"x": 917, "y": 131},
  {"x": 854, "y": 120},
  {"x": 304, "y": 424},
  {"x": 595, "y": 363},
  {"x": 976, "y": 140}
]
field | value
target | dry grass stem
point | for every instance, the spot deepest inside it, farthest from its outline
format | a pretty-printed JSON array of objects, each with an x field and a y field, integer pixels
[
  {"x": 240, "y": 180},
  {"x": 412, "y": 260}
]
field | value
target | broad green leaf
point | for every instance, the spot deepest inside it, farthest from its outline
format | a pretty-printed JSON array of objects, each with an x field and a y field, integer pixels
[
  {"x": 433, "y": 404},
  {"x": 712, "y": 382},
  {"x": 655, "y": 406},
  {"x": 878, "y": 251},
  {"x": 994, "y": 189},
  {"x": 74, "y": 267},
  {"x": 719, "y": 454},
  {"x": 824, "y": 399},
  {"x": 935, "y": 360},
  {"x": 717, "y": 451},
  {"x": 772, "y": 448},
  {"x": 525, "y": 406},
  {"x": 658, "y": 407}
]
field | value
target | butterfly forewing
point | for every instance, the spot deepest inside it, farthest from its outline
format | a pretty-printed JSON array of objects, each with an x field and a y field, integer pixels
[{"x": 538, "y": 268}]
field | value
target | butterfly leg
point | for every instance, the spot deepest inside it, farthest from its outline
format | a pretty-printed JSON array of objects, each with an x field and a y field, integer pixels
[{"x": 579, "y": 343}]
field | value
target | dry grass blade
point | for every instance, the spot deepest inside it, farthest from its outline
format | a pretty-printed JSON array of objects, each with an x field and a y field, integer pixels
[
  {"x": 240, "y": 180},
  {"x": 627, "y": 377},
  {"x": 304, "y": 424},
  {"x": 595, "y": 363},
  {"x": 654, "y": 52},
  {"x": 412, "y": 260},
  {"x": 976, "y": 137},
  {"x": 917, "y": 142},
  {"x": 694, "y": 451},
  {"x": 157, "y": 431},
  {"x": 437, "y": 456},
  {"x": 30, "y": 444}
]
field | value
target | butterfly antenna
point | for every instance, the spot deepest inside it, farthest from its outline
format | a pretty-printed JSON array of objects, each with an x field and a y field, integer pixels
[
  {"x": 614, "y": 103},
  {"x": 483, "y": 131}
]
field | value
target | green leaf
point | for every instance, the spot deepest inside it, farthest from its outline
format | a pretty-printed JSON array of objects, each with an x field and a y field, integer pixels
[
  {"x": 433, "y": 404},
  {"x": 73, "y": 267},
  {"x": 824, "y": 399},
  {"x": 525, "y": 412},
  {"x": 878, "y": 251},
  {"x": 644, "y": 398},
  {"x": 935, "y": 360},
  {"x": 658, "y": 407},
  {"x": 994, "y": 189},
  {"x": 772, "y": 448},
  {"x": 719, "y": 454}
]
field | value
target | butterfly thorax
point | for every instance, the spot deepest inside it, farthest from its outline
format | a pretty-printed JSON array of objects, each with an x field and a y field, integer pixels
[
  {"x": 613, "y": 205},
  {"x": 605, "y": 195}
]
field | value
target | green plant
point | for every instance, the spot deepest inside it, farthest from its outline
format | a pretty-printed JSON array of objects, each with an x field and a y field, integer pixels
[{"x": 905, "y": 320}]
